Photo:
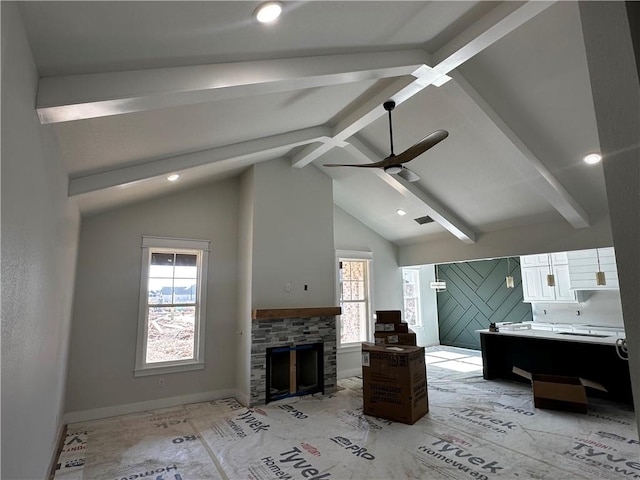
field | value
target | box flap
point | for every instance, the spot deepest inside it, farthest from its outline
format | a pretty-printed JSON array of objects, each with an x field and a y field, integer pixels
[
  {"x": 592, "y": 384},
  {"x": 522, "y": 373}
]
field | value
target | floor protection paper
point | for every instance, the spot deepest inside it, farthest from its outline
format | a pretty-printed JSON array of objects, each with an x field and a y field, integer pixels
[{"x": 476, "y": 429}]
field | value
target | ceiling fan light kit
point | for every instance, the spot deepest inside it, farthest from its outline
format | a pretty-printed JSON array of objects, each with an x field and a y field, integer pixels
[{"x": 393, "y": 164}]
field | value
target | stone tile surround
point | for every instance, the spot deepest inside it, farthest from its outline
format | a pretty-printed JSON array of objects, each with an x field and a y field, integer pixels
[{"x": 286, "y": 328}]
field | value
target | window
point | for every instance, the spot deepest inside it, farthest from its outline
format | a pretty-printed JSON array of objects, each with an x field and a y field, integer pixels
[
  {"x": 172, "y": 313},
  {"x": 354, "y": 294},
  {"x": 411, "y": 294}
]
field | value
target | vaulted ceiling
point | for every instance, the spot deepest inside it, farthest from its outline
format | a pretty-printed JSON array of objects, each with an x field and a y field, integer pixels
[{"x": 135, "y": 91}]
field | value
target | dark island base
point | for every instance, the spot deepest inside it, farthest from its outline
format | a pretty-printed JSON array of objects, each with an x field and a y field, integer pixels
[{"x": 599, "y": 363}]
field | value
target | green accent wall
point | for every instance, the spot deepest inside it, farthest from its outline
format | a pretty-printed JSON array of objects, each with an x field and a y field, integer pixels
[{"x": 476, "y": 296}]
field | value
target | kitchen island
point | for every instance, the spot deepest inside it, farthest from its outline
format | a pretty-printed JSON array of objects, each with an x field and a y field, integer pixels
[{"x": 592, "y": 357}]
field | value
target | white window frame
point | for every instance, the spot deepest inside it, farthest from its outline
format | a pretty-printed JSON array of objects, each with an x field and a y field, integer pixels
[
  {"x": 346, "y": 255},
  {"x": 149, "y": 243},
  {"x": 418, "y": 295}
]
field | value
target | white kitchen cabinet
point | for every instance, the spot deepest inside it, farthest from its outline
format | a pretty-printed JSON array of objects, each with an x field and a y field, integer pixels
[
  {"x": 583, "y": 265},
  {"x": 534, "y": 281}
]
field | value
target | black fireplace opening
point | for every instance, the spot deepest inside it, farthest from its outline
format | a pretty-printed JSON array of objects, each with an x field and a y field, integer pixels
[{"x": 294, "y": 371}]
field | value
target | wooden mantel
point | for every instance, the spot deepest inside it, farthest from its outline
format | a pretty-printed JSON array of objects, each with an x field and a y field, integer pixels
[{"x": 305, "y": 312}]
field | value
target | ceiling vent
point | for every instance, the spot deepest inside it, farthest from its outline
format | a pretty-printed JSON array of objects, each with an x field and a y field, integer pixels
[{"x": 423, "y": 220}]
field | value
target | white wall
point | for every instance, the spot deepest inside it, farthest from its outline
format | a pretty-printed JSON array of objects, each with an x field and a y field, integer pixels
[
  {"x": 557, "y": 236},
  {"x": 292, "y": 236},
  {"x": 429, "y": 307},
  {"x": 596, "y": 308},
  {"x": 39, "y": 244},
  {"x": 350, "y": 234},
  {"x": 104, "y": 329}
]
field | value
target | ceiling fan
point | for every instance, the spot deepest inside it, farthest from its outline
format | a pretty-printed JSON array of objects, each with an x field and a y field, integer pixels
[{"x": 393, "y": 164}]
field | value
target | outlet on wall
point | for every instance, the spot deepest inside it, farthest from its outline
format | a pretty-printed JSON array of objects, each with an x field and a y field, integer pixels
[{"x": 161, "y": 382}]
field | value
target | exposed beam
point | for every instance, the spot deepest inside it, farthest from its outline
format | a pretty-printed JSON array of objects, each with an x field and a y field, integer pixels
[
  {"x": 494, "y": 26},
  {"x": 364, "y": 153},
  {"x": 528, "y": 164},
  {"x": 229, "y": 153},
  {"x": 76, "y": 97}
]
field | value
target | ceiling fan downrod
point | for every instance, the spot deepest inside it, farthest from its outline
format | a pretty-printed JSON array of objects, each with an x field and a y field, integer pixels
[{"x": 389, "y": 105}]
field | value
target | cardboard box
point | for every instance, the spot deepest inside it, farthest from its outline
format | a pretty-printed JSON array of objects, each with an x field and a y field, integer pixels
[
  {"x": 402, "y": 327},
  {"x": 559, "y": 393},
  {"x": 388, "y": 316},
  {"x": 393, "y": 338},
  {"x": 394, "y": 381}
]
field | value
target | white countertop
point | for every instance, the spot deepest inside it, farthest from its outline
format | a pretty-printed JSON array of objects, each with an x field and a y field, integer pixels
[{"x": 547, "y": 335}]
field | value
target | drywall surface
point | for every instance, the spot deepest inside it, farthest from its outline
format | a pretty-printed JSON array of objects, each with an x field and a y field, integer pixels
[
  {"x": 104, "y": 330},
  {"x": 292, "y": 237},
  {"x": 557, "y": 236},
  {"x": 350, "y": 234},
  {"x": 613, "y": 53},
  {"x": 39, "y": 244},
  {"x": 245, "y": 262},
  {"x": 596, "y": 308}
]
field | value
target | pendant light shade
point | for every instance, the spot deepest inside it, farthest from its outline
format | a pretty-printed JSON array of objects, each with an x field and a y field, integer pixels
[
  {"x": 509, "y": 278},
  {"x": 600, "y": 278},
  {"x": 438, "y": 285},
  {"x": 551, "y": 280}
]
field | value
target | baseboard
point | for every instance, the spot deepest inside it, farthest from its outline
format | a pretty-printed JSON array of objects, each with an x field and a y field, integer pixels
[
  {"x": 60, "y": 439},
  {"x": 105, "y": 412},
  {"x": 352, "y": 372}
]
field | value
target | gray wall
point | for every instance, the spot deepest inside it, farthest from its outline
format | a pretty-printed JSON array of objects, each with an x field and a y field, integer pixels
[
  {"x": 39, "y": 243},
  {"x": 350, "y": 234},
  {"x": 614, "y": 67},
  {"x": 292, "y": 236},
  {"x": 104, "y": 329}
]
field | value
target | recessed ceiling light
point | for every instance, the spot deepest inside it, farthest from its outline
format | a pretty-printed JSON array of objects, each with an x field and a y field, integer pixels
[
  {"x": 401, "y": 212},
  {"x": 173, "y": 178},
  {"x": 268, "y": 12},
  {"x": 592, "y": 158}
]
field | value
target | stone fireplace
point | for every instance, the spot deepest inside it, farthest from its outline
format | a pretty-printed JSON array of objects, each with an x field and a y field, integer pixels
[{"x": 292, "y": 327}]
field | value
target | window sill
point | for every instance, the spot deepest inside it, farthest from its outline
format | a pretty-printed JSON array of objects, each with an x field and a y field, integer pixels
[
  {"x": 349, "y": 348},
  {"x": 146, "y": 371}
]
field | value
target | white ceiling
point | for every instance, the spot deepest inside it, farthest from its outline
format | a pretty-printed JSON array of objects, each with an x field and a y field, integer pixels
[{"x": 136, "y": 90}]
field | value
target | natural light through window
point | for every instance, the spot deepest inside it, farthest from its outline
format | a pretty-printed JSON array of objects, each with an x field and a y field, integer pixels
[
  {"x": 172, "y": 305},
  {"x": 411, "y": 294},
  {"x": 354, "y": 300}
]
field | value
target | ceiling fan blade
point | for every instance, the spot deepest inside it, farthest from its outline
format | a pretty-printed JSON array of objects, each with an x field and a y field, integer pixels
[
  {"x": 361, "y": 165},
  {"x": 422, "y": 146},
  {"x": 408, "y": 175}
]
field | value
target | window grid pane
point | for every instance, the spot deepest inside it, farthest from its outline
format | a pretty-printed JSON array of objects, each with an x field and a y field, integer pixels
[
  {"x": 354, "y": 301},
  {"x": 172, "y": 306}
]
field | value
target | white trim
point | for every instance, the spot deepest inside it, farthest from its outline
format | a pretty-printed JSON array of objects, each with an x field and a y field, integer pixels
[
  {"x": 162, "y": 369},
  {"x": 105, "y": 412},
  {"x": 168, "y": 242},
  {"x": 349, "y": 348},
  {"x": 351, "y": 372},
  {"x": 354, "y": 254}
]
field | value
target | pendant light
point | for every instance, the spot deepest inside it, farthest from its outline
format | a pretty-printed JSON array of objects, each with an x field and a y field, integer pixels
[
  {"x": 600, "y": 278},
  {"x": 509, "y": 278},
  {"x": 438, "y": 285},
  {"x": 551, "y": 280}
]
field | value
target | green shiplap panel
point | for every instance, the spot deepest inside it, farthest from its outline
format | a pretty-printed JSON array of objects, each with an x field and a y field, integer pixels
[{"x": 477, "y": 295}]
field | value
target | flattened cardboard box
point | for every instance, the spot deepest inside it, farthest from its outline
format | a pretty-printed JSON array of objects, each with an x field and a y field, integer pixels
[
  {"x": 557, "y": 392},
  {"x": 392, "y": 338},
  {"x": 394, "y": 381}
]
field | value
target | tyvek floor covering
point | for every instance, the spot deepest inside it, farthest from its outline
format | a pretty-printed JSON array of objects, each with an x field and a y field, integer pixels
[{"x": 475, "y": 429}]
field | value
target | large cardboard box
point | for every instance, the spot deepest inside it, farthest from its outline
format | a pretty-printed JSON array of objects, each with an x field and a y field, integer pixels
[
  {"x": 558, "y": 392},
  {"x": 388, "y": 316},
  {"x": 394, "y": 380},
  {"x": 392, "y": 338}
]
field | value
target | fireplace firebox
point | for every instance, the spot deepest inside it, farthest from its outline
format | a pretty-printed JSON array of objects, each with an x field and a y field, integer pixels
[{"x": 294, "y": 371}]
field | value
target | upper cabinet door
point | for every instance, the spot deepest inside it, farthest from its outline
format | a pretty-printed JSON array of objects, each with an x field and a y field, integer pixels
[{"x": 583, "y": 265}]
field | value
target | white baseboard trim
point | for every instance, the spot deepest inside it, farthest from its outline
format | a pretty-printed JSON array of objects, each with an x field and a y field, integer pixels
[
  {"x": 105, "y": 412},
  {"x": 352, "y": 372}
]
